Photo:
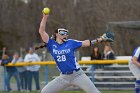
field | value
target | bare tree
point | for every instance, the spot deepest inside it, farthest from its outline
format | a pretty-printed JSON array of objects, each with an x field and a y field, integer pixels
[{"x": 86, "y": 19}]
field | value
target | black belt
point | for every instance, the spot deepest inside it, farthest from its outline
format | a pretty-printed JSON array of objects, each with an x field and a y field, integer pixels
[{"x": 71, "y": 72}]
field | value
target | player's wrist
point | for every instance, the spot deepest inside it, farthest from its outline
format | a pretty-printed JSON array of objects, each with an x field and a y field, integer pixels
[{"x": 93, "y": 42}]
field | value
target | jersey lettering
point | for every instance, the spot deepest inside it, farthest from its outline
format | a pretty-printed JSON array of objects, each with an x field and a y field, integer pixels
[{"x": 65, "y": 51}]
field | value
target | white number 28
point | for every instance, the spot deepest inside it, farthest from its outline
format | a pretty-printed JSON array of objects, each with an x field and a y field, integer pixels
[{"x": 61, "y": 58}]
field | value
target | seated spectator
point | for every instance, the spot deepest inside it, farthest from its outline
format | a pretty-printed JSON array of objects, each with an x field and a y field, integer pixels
[
  {"x": 22, "y": 71},
  {"x": 96, "y": 55},
  {"x": 11, "y": 71},
  {"x": 108, "y": 53},
  {"x": 32, "y": 71}
]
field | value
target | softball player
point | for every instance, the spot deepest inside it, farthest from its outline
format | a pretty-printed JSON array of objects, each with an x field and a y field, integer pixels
[
  {"x": 62, "y": 50},
  {"x": 134, "y": 66}
]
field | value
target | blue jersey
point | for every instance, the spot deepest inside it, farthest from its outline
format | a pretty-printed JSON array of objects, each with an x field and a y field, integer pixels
[
  {"x": 64, "y": 54},
  {"x": 137, "y": 53}
]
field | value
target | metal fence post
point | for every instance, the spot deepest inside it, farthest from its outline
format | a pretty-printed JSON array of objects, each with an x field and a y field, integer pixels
[
  {"x": 46, "y": 74},
  {"x": 4, "y": 77},
  {"x": 92, "y": 73}
]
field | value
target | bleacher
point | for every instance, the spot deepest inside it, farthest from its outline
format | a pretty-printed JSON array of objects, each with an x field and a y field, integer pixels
[
  {"x": 112, "y": 77},
  {"x": 115, "y": 76}
]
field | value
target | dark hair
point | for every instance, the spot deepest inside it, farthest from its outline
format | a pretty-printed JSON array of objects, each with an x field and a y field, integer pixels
[
  {"x": 40, "y": 46},
  {"x": 93, "y": 52},
  {"x": 53, "y": 37},
  {"x": 56, "y": 31},
  {"x": 98, "y": 56},
  {"x": 28, "y": 48},
  {"x": 44, "y": 45}
]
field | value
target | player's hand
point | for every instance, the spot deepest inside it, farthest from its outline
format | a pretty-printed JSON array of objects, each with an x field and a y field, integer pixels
[
  {"x": 45, "y": 15},
  {"x": 99, "y": 39}
]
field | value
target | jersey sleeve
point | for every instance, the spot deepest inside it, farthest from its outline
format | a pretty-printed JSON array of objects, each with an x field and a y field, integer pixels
[
  {"x": 137, "y": 52},
  {"x": 76, "y": 44},
  {"x": 49, "y": 44}
]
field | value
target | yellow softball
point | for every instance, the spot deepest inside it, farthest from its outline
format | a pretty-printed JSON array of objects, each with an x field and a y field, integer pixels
[{"x": 46, "y": 11}]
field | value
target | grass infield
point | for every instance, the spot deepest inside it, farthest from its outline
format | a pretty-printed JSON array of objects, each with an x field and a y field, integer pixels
[{"x": 117, "y": 91}]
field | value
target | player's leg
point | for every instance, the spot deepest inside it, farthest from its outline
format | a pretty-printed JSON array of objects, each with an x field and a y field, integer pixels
[
  {"x": 56, "y": 85},
  {"x": 82, "y": 80},
  {"x": 135, "y": 70}
]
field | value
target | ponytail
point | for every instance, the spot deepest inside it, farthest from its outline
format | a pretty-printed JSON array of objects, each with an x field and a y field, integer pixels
[{"x": 41, "y": 46}]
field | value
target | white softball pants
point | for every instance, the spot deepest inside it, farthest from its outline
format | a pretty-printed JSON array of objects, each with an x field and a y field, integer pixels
[
  {"x": 79, "y": 79},
  {"x": 135, "y": 70}
]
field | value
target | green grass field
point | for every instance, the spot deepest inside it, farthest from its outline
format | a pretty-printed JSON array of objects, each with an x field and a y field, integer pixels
[{"x": 81, "y": 92}]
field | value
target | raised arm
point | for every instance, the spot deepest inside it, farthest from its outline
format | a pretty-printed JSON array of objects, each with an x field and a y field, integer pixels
[{"x": 42, "y": 32}]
